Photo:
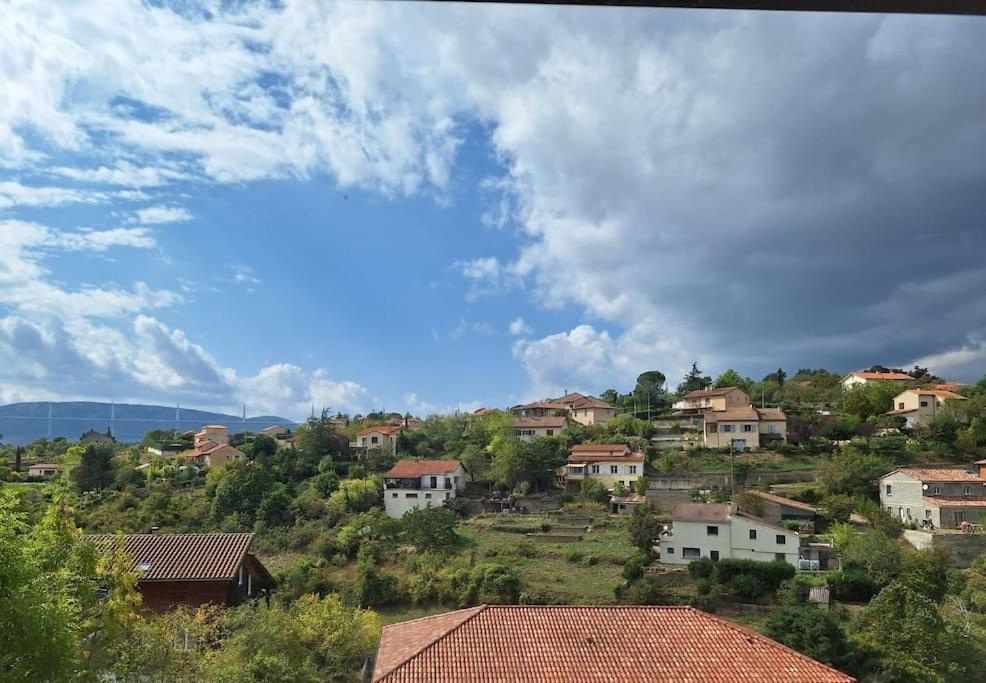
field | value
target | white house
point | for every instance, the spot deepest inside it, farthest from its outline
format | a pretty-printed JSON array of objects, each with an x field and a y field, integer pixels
[
  {"x": 42, "y": 470},
  {"x": 943, "y": 497},
  {"x": 920, "y": 406},
  {"x": 861, "y": 377},
  {"x": 412, "y": 484},
  {"x": 718, "y": 531},
  {"x": 607, "y": 463}
]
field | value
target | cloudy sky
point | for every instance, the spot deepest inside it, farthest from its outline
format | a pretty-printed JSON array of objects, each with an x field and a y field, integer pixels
[{"x": 426, "y": 207}]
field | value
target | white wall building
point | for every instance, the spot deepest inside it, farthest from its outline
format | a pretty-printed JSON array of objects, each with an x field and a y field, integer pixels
[
  {"x": 412, "y": 484},
  {"x": 861, "y": 377},
  {"x": 718, "y": 531},
  {"x": 945, "y": 497},
  {"x": 531, "y": 427}
]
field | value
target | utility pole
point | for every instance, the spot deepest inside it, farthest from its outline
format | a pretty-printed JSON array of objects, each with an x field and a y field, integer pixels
[{"x": 732, "y": 473}]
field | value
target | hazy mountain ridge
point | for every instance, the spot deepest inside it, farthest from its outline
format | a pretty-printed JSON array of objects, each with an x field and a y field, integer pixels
[{"x": 22, "y": 423}]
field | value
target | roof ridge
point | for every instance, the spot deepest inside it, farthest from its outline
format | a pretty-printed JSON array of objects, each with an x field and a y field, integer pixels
[
  {"x": 479, "y": 609},
  {"x": 740, "y": 628}
]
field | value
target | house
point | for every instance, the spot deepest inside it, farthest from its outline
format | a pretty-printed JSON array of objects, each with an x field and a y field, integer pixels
[
  {"x": 719, "y": 530},
  {"x": 746, "y": 427},
  {"x": 943, "y": 497},
  {"x": 919, "y": 406},
  {"x": 560, "y": 643},
  {"x": 165, "y": 450},
  {"x": 586, "y": 410},
  {"x": 213, "y": 433},
  {"x": 192, "y": 569},
  {"x": 42, "y": 470},
  {"x": 92, "y": 436},
  {"x": 484, "y": 412},
  {"x": 530, "y": 427},
  {"x": 703, "y": 400},
  {"x": 607, "y": 463},
  {"x": 412, "y": 484},
  {"x": 215, "y": 454},
  {"x": 863, "y": 377},
  {"x": 778, "y": 509},
  {"x": 951, "y": 386},
  {"x": 381, "y": 437},
  {"x": 624, "y": 504},
  {"x": 276, "y": 431}
]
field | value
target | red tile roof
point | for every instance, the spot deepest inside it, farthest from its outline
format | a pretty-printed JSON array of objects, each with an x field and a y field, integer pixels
[
  {"x": 940, "y": 393},
  {"x": 709, "y": 393},
  {"x": 939, "y": 474},
  {"x": 386, "y": 430},
  {"x": 953, "y": 502},
  {"x": 547, "y": 422},
  {"x": 887, "y": 376},
  {"x": 702, "y": 512},
  {"x": 599, "y": 447},
  {"x": 781, "y": 500},
  {"x": 182, "y": 557},
  {"x": 581, "y": 458},
  {"x": 548, "y": 644},
  {"x": 410, "y": 469}
]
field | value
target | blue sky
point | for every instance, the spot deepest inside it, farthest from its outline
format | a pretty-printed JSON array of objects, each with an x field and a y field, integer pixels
[{"x": 359, "y": 204}]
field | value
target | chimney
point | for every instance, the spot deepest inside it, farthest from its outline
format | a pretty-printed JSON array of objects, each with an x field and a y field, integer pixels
[
  {"x": 155, "y": 529},
  {"x": 982, "y": 469}
]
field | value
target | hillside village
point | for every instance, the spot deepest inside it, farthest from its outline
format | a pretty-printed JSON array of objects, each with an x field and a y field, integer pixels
[{"x": 815, "y": 527}]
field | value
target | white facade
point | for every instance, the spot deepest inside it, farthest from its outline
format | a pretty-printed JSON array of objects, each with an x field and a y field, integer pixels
[
  {"x": 737, "y": 536},
  {"x": 435, "y": 489},
  {"x": 945, "y": 497}
]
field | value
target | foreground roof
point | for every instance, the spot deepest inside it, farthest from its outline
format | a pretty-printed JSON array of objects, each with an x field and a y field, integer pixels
[
  {"x": 182, "y": 557},
  {"x": 409, "y": 469},
  {"x": 549, "y": 643}
]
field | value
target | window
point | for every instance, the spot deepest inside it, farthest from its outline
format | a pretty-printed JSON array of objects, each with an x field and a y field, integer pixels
[
  {"x": 711, "y": 530},
  {"x": 614, "y": 469},
  {"x": 900, "y": 405},
  {"x": 427, "y": 495},
  {"x": 753, "y": 534},
  {"x": 748, "y": 428},
  {"x": 670, "y": 551},
  {"x": 936, "y": 490},
  {"x": 727, "y": 428},
  {"x": 781, "y": 539},
  {"x": 924, "y": 404},
  {"x": 690, "y": 553},
  {"x": 433, "y": 482},
  {"x": 714, "y": 555},
  {"x": 550, "y": 432},
  {"x": 374, "y": 439},
  {"x": 927, "y": 514},
  {"x": 967, "y": 491},
  {"x": 771, "y": 428},
  {"x": 890, "y": 490},
  {"x": 448, "y": 483},
  {"x": 633, "y": 469},
  {"x": 595, "y": 469},
  {"x": 713, "y": 428},
  {"x": 393, "y": 495},
  {"x": 410, "y": 495}
]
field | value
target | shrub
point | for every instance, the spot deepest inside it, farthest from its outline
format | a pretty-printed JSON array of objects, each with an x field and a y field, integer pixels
[
  {"x": 646, "y": 591},
  {"x": 494, "y": 584},
  {"x": 701, "y": 569},
  {"x": 746, "y": 586},
  {"x": 851, "y": 586},
  {"x": 573, "y": 555},
  {"x": 769, "y": 574}
]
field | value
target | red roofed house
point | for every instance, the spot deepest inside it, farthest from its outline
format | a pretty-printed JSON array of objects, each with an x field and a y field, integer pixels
[
  {"x": 192, "y": 569},
  {"x": 859, "y": 378},
  {"x": 745, "y": 427},
  {"x": 942, "y": 496},
  {"x": 215, "y": 454},
  {"x": 561, "y": 644},
  {"x": 587, "y": 410},
  {"x": 530, "y": 427},
  {"x": 920, "y": 406},
  {"x": 213, "y": 433},
  {"x": 607, "y": 463},
  {"x": 381, "y": 437},
  {"x": 412, "y": 484},
  {"x": 703, "y": 400}
]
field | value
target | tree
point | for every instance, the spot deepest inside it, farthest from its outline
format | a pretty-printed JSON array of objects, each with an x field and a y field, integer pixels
[
  {"x": 316, "y": 440},
  {"x": 810, "y": 630},
  {"x": 694, "y": 380},
  {"x": 731, "y": 378},
  {"x": 240, "y": 490},
  {"x": 96, "y": 469},
  {"x": 493, "y": 584},
  {"x": 275, "y": 506},
  {"x": 371, "y": 586},
  {"x": 640, "y": 485},
  {"x": 644, "y": 527},
  {"x": 649, "y": 394},
  {"x": 852, "y": 472},
  {"x": 476, "y": 462},
  {"x": 778, "y": 377},
  {"x": 593, "y": 490},
  {"x": 431, "y": 528}
]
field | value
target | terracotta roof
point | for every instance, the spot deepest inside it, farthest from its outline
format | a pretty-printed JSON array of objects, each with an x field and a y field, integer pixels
[
  {"x": 547, "y": 422},
  {"x": 582, "y": 458},
  {"x": 569, "y": 398},
  {"x": 940, "y": 393},
  {"x": 483, "y": 412},
  {"x": 890, "y": 376},
  {"x": 953, "y": 502},
  {"x": 746, "y": 413},
  {"x": 709, "y": 393},
  {"x": 938, "y": 474},
  {"x": 182, "y": 557},
  {"x": 600, "y": 448},
  {"x": 274, "y": 428},
  {"x": 409, "y": 469},
  {"x": 42, "y": 466},
  {"x": 702, "y": 512},
  {"x": 546, "y": 405},
  {"x": 550, "y": 643},
  {"x": 951, "y": 386},
  {"x": 216, "y": 427},
  {"x": 591, "y": 402},
  {"x": 386, "y": 430},
  {"x": 781, "y": 500}
]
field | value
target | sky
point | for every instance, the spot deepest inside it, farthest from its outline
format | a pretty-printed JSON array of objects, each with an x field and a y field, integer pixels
[{"x": 424, "y": 207}]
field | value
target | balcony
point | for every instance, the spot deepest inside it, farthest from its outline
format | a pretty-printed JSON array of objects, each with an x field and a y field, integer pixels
[{"x": 416, "y": 485}]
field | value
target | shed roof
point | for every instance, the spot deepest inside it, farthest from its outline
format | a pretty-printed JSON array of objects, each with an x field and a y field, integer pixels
[
  {"x": 410, "y": 469},
  {"x": 182, "y": 557}
]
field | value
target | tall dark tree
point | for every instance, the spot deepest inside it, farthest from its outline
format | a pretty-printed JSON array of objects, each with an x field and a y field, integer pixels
[
  {"x": 694, "y": 380},
  {"x": 777, "y": 376},
  {"x": 316, "y": 440},
  {"x": 649, "y": 394},
  {"x": 96, "y": 469}
]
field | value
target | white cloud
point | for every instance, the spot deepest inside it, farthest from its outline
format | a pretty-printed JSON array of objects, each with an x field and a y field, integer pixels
[
  {"x": 416, "y": 406},
  {"x": 122, "y": 173},
  {"x": 101, "y": 240},
  {"x": 13, "y": 194},
  {"x": 966, "y": 363},
  {"x": 154, "y": 215},
  {"x": 592, "y": 361},
  {"x": 488, "y": 276},
  {"x": 519, "y": 328}
]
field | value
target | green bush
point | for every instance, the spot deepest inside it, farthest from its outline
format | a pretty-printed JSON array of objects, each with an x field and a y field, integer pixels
[
  {"x": 573, "y": 555},
  {"x": 851, "y": 586},
  {"x": 493, "y": 584},
  {"x": 701, "y": 569},
  {"x": 746, "y": 586},
  {"x": 768, "y": 574}
]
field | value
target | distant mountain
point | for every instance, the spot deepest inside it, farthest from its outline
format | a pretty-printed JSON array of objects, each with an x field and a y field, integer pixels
[{"x": 22, "y": 423}]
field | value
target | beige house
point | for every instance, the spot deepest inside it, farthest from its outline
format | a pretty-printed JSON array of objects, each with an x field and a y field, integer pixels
[
  {"x": 942, "y": 497},
  {"x": 703, "y": 400},
  {"x": 746, "y": 427},
  {"x": 211, "y": 433},
  {"x": 276, "y": 431},
  {"x": 861, "y": 378},
  {"x": 606, "y": 463},
  {"x": 919, "y": 406},
  {"x": 531, "y": 427},
  {"x": 381, "y": 437},
  {"x": 215, "y": 454},
  {"x": 42, "y": 470},
  {"x": 586, "y": 410}
]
